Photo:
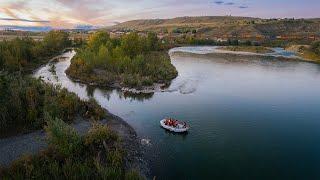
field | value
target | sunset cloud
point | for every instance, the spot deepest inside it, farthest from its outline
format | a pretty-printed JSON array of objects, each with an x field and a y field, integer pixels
[{"x": 24, "y": 20}]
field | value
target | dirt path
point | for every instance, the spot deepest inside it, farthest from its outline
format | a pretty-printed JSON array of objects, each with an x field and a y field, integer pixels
[{"x": 15, "y": 147}]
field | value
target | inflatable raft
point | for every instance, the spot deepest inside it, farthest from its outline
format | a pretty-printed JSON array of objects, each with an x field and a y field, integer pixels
[{"x": 179, "y": 127}]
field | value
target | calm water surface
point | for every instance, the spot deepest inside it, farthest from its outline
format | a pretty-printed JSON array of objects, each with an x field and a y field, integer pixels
[{"x": 257, "y": 120}]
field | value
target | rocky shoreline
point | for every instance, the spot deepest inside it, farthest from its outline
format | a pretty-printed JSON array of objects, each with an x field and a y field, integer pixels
[
  {"x": 131, "y": 143},
  {"x": 156, "y": 87}
]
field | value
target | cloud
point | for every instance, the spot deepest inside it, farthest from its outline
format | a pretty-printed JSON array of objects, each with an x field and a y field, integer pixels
[
  {"x": 243, "y": 7},
  {"x": 218, "y": 2},
  {"x": 86, "y": 11},
  {"x": 229, "y": 3},
  {"x": 24, "y": 20},
  {"x": 224, "y": 3}
]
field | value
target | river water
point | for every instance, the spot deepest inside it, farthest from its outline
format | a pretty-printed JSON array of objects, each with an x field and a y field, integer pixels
[{"x": 249, "y": 120}]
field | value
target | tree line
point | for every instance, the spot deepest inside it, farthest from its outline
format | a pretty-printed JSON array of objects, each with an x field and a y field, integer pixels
[{"x": 22, "y": 54}]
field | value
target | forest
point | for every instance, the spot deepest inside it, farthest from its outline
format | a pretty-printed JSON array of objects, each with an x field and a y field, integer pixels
[{"x": 129, "y": 61}]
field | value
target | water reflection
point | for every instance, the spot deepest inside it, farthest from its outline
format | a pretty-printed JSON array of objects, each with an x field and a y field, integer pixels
[{"x": 58, "y": 77}]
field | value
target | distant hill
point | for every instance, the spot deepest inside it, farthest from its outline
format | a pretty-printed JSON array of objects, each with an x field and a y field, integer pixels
[
  {"x": 210, "y": 21},
  {"x": 228, "y": 26}
]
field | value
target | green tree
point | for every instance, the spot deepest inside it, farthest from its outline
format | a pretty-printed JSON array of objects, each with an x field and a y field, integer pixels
[
  {"x": 152, "y": 42},
  {"x": 98, "y": 39},
  {"x": 132, "y": 44},
  {"x": 55, "y": 41},
  {"x": 315, "y": 46}
]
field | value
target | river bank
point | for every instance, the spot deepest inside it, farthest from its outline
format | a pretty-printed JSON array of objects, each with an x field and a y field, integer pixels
[
  {"x": 305, "y": 52},
  {"x": 156, "y": 87},
  {"x": 233, "y": 56},
  {"x": 252, "y": 49}
]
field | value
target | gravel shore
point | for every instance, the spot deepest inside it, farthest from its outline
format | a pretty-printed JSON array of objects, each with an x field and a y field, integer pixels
[{"x": 13, "y": 148}]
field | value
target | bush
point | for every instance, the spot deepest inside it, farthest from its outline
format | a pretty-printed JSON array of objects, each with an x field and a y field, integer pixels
[
  {"x": 93, "y": 110},
  {"x": 60, "y": 103},
  {"x": 99, "y": 133},
  {"x": 316, "y": 47},
  {"x": 23, "y": 101},
  {"x": 63, "y": 137},
  {"x": 133, "y": 175}
]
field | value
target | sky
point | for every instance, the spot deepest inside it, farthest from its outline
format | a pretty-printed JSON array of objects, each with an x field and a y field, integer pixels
[{"x": 72, "y": 13}]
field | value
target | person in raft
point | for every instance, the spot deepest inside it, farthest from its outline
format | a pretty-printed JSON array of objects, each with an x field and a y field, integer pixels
[{"x": 171, "y": 122}]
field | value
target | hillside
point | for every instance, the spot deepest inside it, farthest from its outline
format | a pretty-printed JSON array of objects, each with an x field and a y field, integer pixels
[
  {"x": 194, "y": 22},
  {"x": 229, "y": 27}
]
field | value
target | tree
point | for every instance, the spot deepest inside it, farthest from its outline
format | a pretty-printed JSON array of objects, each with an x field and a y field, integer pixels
[
  {"x": 98, "y": 39},
  {"x": 315, "y": 46},
  {"x": 55, "y": 41},
  {"x": 132, "y": 45},
  {"x": 152, "y": 42},
  {"x": 23, "y": 53}
]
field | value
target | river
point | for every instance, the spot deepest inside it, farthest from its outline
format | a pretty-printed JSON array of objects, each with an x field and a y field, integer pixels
[{"x": 257, "y": 119}]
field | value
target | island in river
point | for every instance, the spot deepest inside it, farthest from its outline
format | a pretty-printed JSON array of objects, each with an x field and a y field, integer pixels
[{"x": 132, "y": 63}]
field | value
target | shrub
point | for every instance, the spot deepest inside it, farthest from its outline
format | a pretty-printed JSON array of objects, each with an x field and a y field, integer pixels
[
  {"x": 316, "y": 47},
  {"x": 23, "y": 101},
  {"x": 99, "y": 133},
  {"x": 109, "y": 172},
  {"x": 93, "y": 110},
  {"x": 63, "y": 137},
  {"x": 133, "y": 175}
]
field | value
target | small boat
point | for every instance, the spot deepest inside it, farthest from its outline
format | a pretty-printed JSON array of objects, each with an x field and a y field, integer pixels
[{"x": 174, "y": 125}]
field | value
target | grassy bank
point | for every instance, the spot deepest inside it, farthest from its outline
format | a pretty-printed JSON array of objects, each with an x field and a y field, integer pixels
[
  {"x": 24, "y": 102},
  {"x": 252, "y": 49},
  {"x": 307, "y": 52},
  {"x": 131, "y": 61}
]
